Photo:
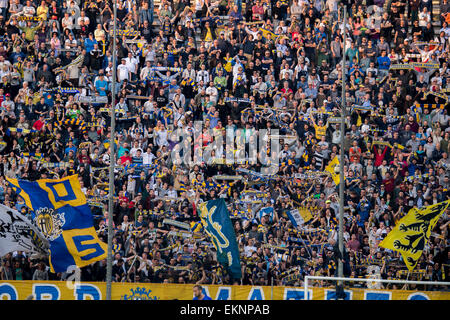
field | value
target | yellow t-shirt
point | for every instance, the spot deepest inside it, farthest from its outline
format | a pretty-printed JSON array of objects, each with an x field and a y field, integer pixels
[
  {"x": 320, "y": 131},
  {"x": 41, "y": 12},
  {"x": 208, "y": 36}
]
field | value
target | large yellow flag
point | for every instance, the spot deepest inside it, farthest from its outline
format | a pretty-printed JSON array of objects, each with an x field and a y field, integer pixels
[
  {"x": 331, "y": 169},
  {"x": 412, "y": 232},
  {"x": 269, "y": 35}
]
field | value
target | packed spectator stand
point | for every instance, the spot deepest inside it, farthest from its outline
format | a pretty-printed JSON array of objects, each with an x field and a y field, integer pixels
[{"x": 254, "y": 65}]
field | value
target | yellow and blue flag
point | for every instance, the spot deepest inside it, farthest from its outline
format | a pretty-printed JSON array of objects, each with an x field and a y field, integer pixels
[
  {"x": 61, "y": 212},
  {"x": 217, "y": 223}
]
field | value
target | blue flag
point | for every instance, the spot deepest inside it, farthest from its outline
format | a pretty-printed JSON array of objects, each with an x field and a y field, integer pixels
[
  {"x": 62, "y": 214},
  {"x": 217, "y": 223},
  {"x": 265, "y": 211}
]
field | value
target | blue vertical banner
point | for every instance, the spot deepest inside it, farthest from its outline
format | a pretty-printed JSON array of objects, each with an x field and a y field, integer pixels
[
  {"x": 217, "y": 224},
  {"x": 61, "y": 212}
]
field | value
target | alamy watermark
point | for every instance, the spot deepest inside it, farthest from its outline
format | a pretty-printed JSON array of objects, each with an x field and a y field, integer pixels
[{"x": 204, "y": 145}]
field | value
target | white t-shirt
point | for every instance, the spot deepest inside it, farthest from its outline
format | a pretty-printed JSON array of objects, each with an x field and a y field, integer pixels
[
  {"x": 147, "y": 158},
  {"x": 68, "y": 22},
  {"x": 131, "y": 64},
  {"x": 122, "y": 71},
  {"x": 86, "y": 20},
  {"x": 29, "y": 11}
]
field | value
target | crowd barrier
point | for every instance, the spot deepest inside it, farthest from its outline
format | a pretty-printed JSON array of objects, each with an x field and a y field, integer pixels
[{"x": 60, "y": 290}]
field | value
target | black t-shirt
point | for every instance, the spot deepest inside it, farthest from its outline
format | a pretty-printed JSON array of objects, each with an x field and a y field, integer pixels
[
  {"x": 121, "y": 13},
  {"x": 146, "y": 32},
  {"x": 415, "y": 29},
  {"x": 428, "y": 34},
  {"x": 161, "y": 101},
  {"x": 235, "y": 113},
  {"x": 402, "y": 32},
  {"x": 248, "y": 47}
]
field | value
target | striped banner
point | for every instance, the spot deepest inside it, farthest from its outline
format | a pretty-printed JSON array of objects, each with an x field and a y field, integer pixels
[
  {"x": 399, "y": 146},
  {"x": 95, "y": 124},
  {"x": 420, "y": 176},
  {"x": 413, "y": 65},
  {"x": 382, "y": 143},
  {"x": 52, "y": 165},
  {"x": 335, "y": 120},
  {"x": 413, "y": 55},
  {"x": 177, "y": 224},
  {"x": 108, "y": 110},
  {"x": 430, "y": 105},
  {"x": 95, "y": 204},
  {"x": 127, "y": 33},
  {"x": 364, "y": 108},
  {"x": 67, "y": 90},
  {"x": 25, "y": 18},
  {"x": 24, "y": 131},
  {"x": 227, "y": 177},
  {"x": 437, "y": 94},
  {"x": 215, "y": 19},
  {"x": 257, "y": 193},
  {"x": 92, "y": 99},
  {"x": 424, "y": 43},
  {"x": 254, "y": 23},
  {"x": 167, "y": 69},
  {"x": 77, "y": 60},
  {"x": 238, "y": 100},
  {"x": 271, "y": 246},
  {"x": 74, "y": 122}
]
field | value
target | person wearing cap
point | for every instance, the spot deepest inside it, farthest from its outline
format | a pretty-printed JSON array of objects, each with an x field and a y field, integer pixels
[
  {"x": 8, "y": 102},
  {"x": 123, "y": 73}
]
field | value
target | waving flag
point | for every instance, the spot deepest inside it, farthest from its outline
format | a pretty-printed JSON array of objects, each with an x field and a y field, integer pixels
[
  {"x": 413, "y": 231},
  {"x": 17, "y": 233},
  {"x": 217, "y": 223},
  {"x": 330, "y": 168},
  {"x": 61, "y": 212},
  {"x": 266, "y": 211},
  {"x": 299, "y": 216}
]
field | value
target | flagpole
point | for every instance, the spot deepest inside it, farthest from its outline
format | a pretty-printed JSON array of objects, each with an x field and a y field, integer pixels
[
  {"x": 112, "y": 160},
  {"x": 341, "y": 162}
]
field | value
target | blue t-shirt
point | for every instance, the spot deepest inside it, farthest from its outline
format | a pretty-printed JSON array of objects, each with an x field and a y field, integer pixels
[
  {"x": 101, "y": 84},
  {"x": 383, "y": 63},
  {"x": 204, "y": 298},
  {"x": 68, "y": 149}
]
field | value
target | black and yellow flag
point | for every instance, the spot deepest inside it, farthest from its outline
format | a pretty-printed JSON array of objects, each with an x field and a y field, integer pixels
[
  {"x": 412, "y": 232},
  {"x": 331, "y": 169}
]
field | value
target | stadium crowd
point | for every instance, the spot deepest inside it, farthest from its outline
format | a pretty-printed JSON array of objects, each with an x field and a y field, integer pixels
[{"x": 249, "y": 65}]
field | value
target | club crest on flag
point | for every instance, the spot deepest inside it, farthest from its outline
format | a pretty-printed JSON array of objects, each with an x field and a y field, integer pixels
[
  {"x": 49, "y": 222},
  {"x": 18, "y": 233}
]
